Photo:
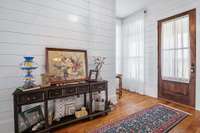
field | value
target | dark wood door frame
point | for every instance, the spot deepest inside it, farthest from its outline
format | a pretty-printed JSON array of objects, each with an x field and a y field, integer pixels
[{"x": 192, "y": 30}]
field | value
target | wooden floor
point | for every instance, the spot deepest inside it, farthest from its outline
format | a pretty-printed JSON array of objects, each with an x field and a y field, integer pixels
[{"x": 131, "y": 103}]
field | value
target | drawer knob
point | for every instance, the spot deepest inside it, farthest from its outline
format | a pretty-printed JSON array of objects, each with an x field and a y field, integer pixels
[
  {"x": 34, "y": 98},
  {"x": 57, "y": 93}
]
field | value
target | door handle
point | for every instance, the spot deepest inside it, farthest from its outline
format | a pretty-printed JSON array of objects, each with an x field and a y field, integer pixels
[{"x": 192, "y": 69}]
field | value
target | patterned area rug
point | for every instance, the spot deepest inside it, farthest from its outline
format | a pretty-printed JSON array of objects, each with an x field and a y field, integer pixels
[{"x": 156, "y": 119}]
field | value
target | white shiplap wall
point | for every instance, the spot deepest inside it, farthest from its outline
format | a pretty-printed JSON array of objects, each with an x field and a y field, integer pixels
[
  {"x": 28, "y": 26},
  {"x": 160, "y": 10}
]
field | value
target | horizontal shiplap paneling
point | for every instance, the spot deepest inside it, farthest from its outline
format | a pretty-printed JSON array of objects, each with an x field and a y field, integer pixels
[{"x": 27, "y": 27}]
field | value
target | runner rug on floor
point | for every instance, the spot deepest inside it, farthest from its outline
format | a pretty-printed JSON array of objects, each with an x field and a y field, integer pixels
[{"x": 156, "y": 119}]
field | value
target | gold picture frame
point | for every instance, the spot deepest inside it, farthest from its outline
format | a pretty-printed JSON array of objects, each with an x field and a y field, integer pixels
[{"x": 67, "y": 65}]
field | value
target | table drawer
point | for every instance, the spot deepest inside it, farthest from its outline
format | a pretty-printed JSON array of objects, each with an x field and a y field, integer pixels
[
  {"x": 69, "y": 91},
  {"x": 83, "y": 89},
  {"x": 55, "y": 93},
  {"x": 98, "y": 87},
  {"x": 30, "y": 98}
]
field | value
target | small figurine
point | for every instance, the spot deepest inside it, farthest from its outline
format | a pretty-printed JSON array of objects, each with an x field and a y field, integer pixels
[
  {"x": 81, "y": 113},
  {"x": 45, "y": 79}
]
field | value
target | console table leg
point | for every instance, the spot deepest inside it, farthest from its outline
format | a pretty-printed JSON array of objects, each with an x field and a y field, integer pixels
[
  {"x": 46, "y": 111},
  {"x": 106, "y": 101},
  {"x": 90, "y": 103},
  {"x": 85, "y": 100},
  {"x": 16, "y": 111}
]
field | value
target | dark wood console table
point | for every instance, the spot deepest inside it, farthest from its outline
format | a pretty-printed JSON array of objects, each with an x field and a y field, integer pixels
[{"x": 43, "y": 95}]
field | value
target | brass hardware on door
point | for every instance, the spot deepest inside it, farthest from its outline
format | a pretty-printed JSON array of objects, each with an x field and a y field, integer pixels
[{"x": 192, "y": 69}]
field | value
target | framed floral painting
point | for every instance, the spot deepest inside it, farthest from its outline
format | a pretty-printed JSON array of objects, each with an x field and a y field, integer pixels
[{"x": 66, "y": 65}]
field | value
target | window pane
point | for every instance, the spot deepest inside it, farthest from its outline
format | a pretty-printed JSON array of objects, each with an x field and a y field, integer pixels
[
  {"x": 179, "y": 64},
  {"x": 175, "y": 52},
  {"x": 168, "y": 63},
  {"x": 118, "y": 47},
  {"x": 133, "y": 50}
]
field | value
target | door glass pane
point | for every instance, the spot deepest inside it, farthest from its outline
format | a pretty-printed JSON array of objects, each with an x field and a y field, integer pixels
[{"x": 175, "y": 50}]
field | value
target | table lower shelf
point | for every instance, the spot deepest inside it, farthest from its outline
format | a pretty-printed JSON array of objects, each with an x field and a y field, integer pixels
[{"x": 71, "y": 119}]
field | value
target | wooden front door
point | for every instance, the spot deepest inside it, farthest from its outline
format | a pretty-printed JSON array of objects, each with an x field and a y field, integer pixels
[{"x": 177, "y": 58}]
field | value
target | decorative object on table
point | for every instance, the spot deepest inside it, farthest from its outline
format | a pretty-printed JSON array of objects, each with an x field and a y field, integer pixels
[
  {"x": 93, "y": 75},
  {"x": 23, "y": 123},
  {"x": 45, "y": 78},
  {"x": 99, "y": 62},
  {"x": 99, "y": 102},
  {"x": 66, "y": 64},
  {"x": 34, "y": 115},
  {"x": 160, "y": 119},
  {"x": 28, "y": 65},
  {"x": 97, "y": 96},
  {"x": 64, "y": 107},
  {"x": 79, "y": 102},
  {"x": 100, "y": 105},
  {"x": 83, "y": 112},
  {"x": 70, "y": 109},
  {"x": 59, "y": 109}
]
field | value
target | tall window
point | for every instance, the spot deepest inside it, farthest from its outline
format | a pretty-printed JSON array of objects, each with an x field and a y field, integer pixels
[
  {"x": 133, "y": 52},
  {"x": 175, "y": 44},
  {"x": 118, "y": 46}
]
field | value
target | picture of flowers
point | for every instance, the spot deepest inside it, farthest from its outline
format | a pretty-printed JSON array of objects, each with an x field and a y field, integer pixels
[{"x": 66, "y": 64}]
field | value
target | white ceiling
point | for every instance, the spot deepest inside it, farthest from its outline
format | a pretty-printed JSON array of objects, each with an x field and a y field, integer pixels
[{"x": 127, "y": 7}]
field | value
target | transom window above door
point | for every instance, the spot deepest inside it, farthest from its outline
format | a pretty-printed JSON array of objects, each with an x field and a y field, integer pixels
[{"x": 175, "y": 50}]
